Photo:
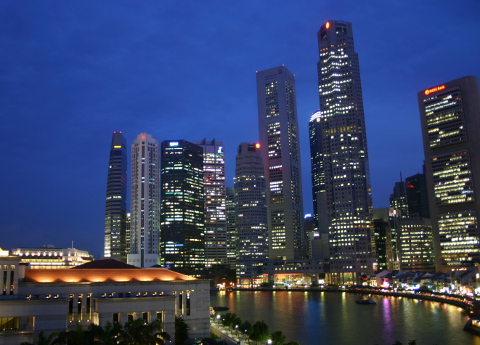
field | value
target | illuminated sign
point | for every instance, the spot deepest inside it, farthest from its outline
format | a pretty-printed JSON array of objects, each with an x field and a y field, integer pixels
[
  {"x": 327, "y": 25},
  {"x": 220, "y": 149},
  {"x": 173, "y": 143},
  {"x": 117, "y": 146},
  {"x": 434, "y": 89}
]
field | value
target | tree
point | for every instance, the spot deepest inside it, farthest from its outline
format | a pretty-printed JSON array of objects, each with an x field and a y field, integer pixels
[
  {"x": 181, "y": 331},
  {"x": 106, "y": 335},
  {"x": 278, "y": 338},
  {"x": 259, "y": 331},
  {"x": 292, "y": 343},
  {"x": 76, "y": 337},
  {"x": 42, "y": 340},
  {"x": 245, "y": 327},
  {"x": 137, "y": 332}
]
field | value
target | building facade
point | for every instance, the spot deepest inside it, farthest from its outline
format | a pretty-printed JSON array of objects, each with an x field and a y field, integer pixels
[
  {"x": 251, "y": 215},
  {"x": 416, "y": 245},
  {"x": 398, "y": 199},
  {"x": 145, "y": 197},
  {"x": 450, "y": 119},
  {"x": 182, "y": 244},
  {"x": 116, "y": 200},
  {"x": 343, "y": 170},
  {"x": 215, "y": 195},
  {"x": 279, "y": 139},
  {"x": 100, "y": 292},
  {"x": 232, "y": 233},
  {"x": 417, "y": 196},
  {"x": 49, "y": 257}
]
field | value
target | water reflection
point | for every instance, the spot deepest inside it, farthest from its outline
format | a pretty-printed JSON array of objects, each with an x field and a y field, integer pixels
[{"x": 334, "y": 318}]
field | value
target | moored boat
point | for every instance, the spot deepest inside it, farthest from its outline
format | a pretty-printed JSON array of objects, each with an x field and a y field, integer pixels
[{"x": 365, "y": 301}]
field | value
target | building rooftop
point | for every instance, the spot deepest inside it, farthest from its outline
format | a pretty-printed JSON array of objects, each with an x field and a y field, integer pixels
[{"x": 108, "y": 270}]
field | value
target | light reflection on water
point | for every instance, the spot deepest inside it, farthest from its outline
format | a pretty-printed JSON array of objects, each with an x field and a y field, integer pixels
[{"x": 334, "y": 318}]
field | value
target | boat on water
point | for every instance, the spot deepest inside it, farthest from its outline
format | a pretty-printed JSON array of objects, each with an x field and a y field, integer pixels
[
  {"x": 365, "y": 301},
  {"x": 220, "y": 308}
]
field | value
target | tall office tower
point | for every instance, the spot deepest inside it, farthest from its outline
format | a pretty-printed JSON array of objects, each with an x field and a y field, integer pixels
[
  {"x": 127, "y": 233},
  {"x": 386, "y": 233},
  {"x": 318, "y": 174},
  {"x": 417, "y": 198},
  {"x": 343, "y": 154},
  {"x": 278, "y": 128},
  {"x": 416, "y": 245},
  {"x": 450, "y": 118},
  {"x": 116, "y": 203},
  {"x": 398, "y": 199},
  {"x": 145, "y": 195},
  {"x": 215, "y": 202},
  {"x": 182, "y": 243},
  {"x": 232, "y": 234},
  {"x": 251, "y": 215}
]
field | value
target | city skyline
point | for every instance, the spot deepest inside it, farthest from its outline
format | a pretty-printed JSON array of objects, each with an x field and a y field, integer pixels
[{"x": 121, "y": 67}]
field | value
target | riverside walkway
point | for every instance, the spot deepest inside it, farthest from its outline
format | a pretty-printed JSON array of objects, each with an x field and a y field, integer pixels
[{"x": 222, "y": 334}]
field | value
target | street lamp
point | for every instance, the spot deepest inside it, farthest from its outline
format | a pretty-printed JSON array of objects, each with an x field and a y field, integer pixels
[{"x": 269, "y": 341}]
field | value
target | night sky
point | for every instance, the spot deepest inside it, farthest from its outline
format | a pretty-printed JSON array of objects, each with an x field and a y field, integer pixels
[{"x": 72, "y": 72}]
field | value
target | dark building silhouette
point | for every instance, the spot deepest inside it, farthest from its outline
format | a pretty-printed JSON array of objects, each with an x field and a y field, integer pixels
[
  {"x": 417, "y": 197},
  {"x": 115, "y": 245}
]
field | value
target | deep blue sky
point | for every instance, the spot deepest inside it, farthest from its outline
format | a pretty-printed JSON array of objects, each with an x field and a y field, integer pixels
[{"x": 72, "y": 72}]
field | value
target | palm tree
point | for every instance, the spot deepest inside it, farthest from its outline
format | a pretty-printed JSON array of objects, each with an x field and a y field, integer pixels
[
  {"x": 139, "y": 333},
  {"x": 42, "y": 340},
  {"x": 107, "y": 335},
  {"x": 181, "y": 331}
]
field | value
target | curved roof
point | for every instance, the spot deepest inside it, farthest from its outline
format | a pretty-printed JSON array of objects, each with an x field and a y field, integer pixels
[{"x": 99, "y": 275}]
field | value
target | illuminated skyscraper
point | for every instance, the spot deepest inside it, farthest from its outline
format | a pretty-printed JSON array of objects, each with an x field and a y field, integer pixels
[
  {"x": 232, "y": 234},
  {"x": 251, "y": 215},
  {"x": 145, "y": 194},
  {"x": 342, "y": 154},
  {"x": 116, "y": 203},
  {"x": 398, "y": 199},
  {"x": 215, "y": 195},
  {"x": 278, "y": 128},
  {"x": 416, "y": 245},
  {"x": 450, "y": 118},
  {"x": 182, "y": 244}
]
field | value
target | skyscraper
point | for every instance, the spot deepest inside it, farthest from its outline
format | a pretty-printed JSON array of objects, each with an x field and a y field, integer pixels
[
  {"x": 417, "y": 197},
  {"x": 145, "y": 194},
  {"x": 450, "y": 118},
  {"x": 278, "y": 129},
  {"x": 182, "y": 244},
  {"x": 318, "y": 174},
  {"x": 251, "y": 215},
  {"x": 116, "y": 200},
  {"x": 232, "y": 233},
  {"x": 215, "y": 196},
  {"x": 398, "y": 199},
  {"x": 342, "y": 151},
  {"x": 416, "y": 245}
]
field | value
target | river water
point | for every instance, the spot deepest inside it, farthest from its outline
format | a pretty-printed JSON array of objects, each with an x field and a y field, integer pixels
[{"x": 331, "y": 318}]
